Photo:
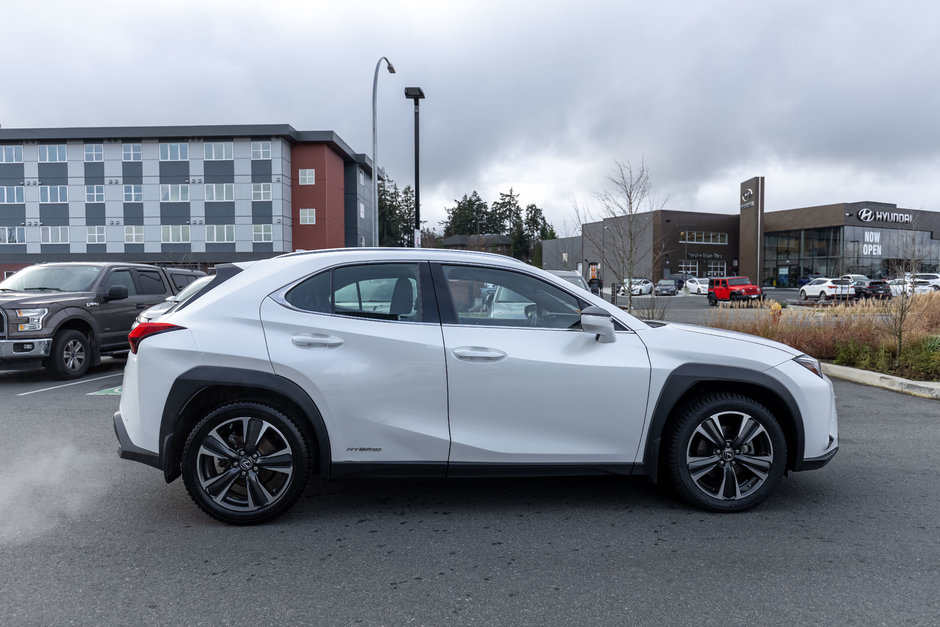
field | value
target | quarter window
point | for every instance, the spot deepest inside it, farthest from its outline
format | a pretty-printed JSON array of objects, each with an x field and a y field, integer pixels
[
  {"x": 94, "y": 152},
  {"x": 492, "y": 297}
]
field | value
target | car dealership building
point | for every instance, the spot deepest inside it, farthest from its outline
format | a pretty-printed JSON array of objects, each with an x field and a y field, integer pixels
[
  {"x": 779, "y": 247},
  {"x": 194, "y": 195}
]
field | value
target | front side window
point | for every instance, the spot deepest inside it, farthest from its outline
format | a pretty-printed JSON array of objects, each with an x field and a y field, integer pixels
[
  {"x": 94, "y": 193},
  {"x": 308, "y": 177},
  {"x": 12, "y": 194},
  {"x": 175, "y": 234},
  {"x": 132, "y": 152},
  {"x": 134, "y": 234},
  {"x": 11, "y": 154},
  {"x": 95, "y": 235},
  {"x": 260, "y": 150},
  {"x": 121, "y": 277},
  {"x": 174, "y": 152},
  {"x": 261, "y": 191},
  {"x": 133, "y": 193},
  {"x": 219, "y": 151},
  {"x": 375, "y": 291},
  {"x": 217, "y": 192},
  {"x": 262, "y": 233},
  {"x": 220, "y": 233},
  {"x": 94, "y": 152},
  {"x": 53, "y": 153},
  {"x": 493, "y": 297},
  {"x": 53, "y": 193},
  {"x": 54, "y": 234},
  {"x": 174, "y": 193}
]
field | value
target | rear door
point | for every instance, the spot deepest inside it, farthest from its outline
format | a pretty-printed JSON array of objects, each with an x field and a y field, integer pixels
[{"x": 116, "y": 317}]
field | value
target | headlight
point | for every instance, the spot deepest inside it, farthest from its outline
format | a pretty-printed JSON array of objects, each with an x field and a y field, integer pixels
[
  {"x": 34, "y": 318},
  {"x": 810, "y": 364}
]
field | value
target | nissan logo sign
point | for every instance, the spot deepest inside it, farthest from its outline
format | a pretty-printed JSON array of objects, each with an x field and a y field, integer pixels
[
  {"x": 866, "y": 215},
  {"x": 747, "y": 195}
]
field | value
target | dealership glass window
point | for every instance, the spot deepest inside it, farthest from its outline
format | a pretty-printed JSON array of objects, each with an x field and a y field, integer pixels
[
  {"x": 174, "y": 193},
  {"x": 262, "y": 233},
  {"x": 94, "y": 152},
  {"x": 133, "y": 193},
  {"x": 11, "y": 154},
  {"x": 95, "y": 235},
  {"x": 217, "y": 192},
  {"x": 702, "y": 237},
  {"x": 308, "y": 177},
  {"x": 174, "y": 152},
  {"x": 132, "y": 152},
  {"x": 220, "y": 233},
  {"x": 261, "y": 191},
  {"x": 94, "y": 193},
  {"x": 717, "y": 268},
  {"x": 12, "y": 194},
  {"x": 260, "y": 150},
  {"x": 54, "y": 234},
  {"x": 308, "y": 216},
  {"x": 53, "y": 193},
  {"x": 174, "y": 234},
  {"x": 12, "y": 235},
  {"x": 53, "y": 153},
  {"x": 134, "y": 234},
  {"x": 219, "y": 151}
]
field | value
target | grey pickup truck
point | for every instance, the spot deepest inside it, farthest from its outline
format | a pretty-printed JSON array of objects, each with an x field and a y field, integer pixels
[{"x": 64, "y": 316}]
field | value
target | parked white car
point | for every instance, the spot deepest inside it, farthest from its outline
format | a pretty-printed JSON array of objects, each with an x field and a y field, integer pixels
[
  {"x": 908, "y": 286},
  {"x": 287, "y": 369},
  {"x": 931, "y": 277},
  {"x": 697, "y": 285},
  {"x": 637, "y": 286},
  {"x": 823, "y": 288}
]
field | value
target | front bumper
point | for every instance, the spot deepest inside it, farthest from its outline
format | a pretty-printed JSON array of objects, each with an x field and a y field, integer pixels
[
  {"x": 128, "y": 450},
  {"x": 15, "y": 350},
  {"x": 814, "y": 463}
]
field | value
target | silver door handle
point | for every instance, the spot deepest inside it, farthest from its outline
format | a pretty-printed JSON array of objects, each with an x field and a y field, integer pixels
[
  {"x": 316, "y": 340},
  {"x": 479, "y": 354}
]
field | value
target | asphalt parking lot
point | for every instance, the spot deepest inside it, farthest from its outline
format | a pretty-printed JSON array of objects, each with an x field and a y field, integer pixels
[{"x": 88, "y": 538}]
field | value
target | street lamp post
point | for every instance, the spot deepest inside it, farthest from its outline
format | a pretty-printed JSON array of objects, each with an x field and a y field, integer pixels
[
  {"x": 375, "y": 144},
  {"x": 416, "y": 94}
]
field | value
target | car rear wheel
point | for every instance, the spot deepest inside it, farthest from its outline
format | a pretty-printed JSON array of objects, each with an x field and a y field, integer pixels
[
  {"x": 726, "y": 453},
  {"x": 70, "y": 356},
  {"x": 822, "y": 296},
  {"x": 712, "y": 300},
  {"x": 246, "y": 463}
]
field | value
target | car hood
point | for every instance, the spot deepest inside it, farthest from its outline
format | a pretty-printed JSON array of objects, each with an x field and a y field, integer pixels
[{"x": 39, "y": 299}]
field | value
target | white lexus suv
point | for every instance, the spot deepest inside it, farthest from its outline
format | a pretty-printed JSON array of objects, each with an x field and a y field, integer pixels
[{"x": 395, "y": 362}]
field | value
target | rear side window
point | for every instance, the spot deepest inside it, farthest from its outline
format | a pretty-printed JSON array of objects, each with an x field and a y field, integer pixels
[
  {"x": 181, "y": 280},
  {"x": 150, "y": 282}
]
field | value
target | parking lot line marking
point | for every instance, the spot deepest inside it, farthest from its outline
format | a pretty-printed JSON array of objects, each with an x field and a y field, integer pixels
[{"x": 65, "y": 385}]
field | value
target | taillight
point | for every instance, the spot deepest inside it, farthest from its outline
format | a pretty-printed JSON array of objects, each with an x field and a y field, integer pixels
[{"x": 146, "y": 329}]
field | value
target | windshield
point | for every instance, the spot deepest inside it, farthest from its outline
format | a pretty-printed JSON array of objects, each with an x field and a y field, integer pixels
[{"x": 53, "y": 278}]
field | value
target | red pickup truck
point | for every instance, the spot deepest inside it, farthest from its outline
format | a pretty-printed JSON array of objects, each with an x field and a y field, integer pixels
[{"x": 732, "y": 288}]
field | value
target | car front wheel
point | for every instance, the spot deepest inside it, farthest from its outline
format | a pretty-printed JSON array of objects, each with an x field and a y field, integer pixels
[
  {"x": 712, "y": 300},
  {"x": 246, "y": 463},
  {"x": 70, "y": 356},
  {"x": 726, "y": 453}
]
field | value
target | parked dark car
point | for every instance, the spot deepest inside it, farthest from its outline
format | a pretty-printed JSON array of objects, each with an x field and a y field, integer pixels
[
  {"x": 861, "y": 288},
  {"x": 666, "y": 287},
  {"x": 803, "y": 280},
  {"x": 877, "y": 288}
]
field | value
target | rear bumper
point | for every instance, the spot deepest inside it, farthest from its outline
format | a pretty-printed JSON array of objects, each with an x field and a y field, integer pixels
[{"x": 128, "y": 450}]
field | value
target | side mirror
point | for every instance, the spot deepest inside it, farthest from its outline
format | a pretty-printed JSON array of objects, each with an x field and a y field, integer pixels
[
  {"x": 116, "y": 292},
  {"x": 598, "y": 321}
]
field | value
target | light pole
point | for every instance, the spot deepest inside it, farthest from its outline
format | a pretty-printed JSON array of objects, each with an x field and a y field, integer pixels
[
  {"x": 375, "y": 144},
  {"x": 416, "y": 94}
]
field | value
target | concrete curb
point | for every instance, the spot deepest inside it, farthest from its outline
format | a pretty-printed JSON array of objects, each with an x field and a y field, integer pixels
[{"x": 925, "y": 389}]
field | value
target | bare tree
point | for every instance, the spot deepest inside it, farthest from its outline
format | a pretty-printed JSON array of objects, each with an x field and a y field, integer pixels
[
  {"x": 625, "y": 239},
  {"x": 899, "y": 311}
]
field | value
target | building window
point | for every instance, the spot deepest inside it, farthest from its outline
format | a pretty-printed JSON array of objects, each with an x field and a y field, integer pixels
[
  {"x": 174, "y": 152},
  {"x": 260, "y": 150},
  {"x": 362, "y": 211},
  {"x": 132, "y": 152},
  {"x": 174, "y": 193},
  {"x": 219, "y": 151},
  {"x": 220, "y": 233},
  {"x": 308, "y": 177},
  {"x": 175, "y": 234},
  {"x": 11, "y": 194},
  {"x": 262, "y": 233},
  {"x": 94, "y": 235},
  {"x": 55, "y": 153},
  {"x": 217, "y": 192},
  {"x": 94, "y": 152},
  {"x": 702, "y": 237},
  {"x": 12, "y": 235},
  {"x": 94, "y": 193},
  {"x": 261, "y": 191},
  {"x": 54, "y": 193},
  {"x": 134, "y": 234},
  {"x": 308, "y": 216},
  {"x": 11, "y": 154},
  {"x": 133, "y": 193},
  {"x": 689, "y": 267},
  {"x": 54, "y": 234},
  {"x": 717, "y": 268},
  {"x": 362, "y": 177},
  {"x": 362, "y": 241}
]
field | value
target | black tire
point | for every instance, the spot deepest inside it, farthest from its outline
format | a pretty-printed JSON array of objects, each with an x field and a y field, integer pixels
[
  {"x": 802, "y": 294},
  {"x": 712, "y": 300},
  {"x": 246, "y": 463},
  {"x": 822, "y": 296},
  {"x": 724, "y": 436},
  {"x": 70, "y": 355}
]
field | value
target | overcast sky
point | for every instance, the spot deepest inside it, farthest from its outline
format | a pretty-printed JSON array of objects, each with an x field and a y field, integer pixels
[{"x": 830, "y": 101}]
